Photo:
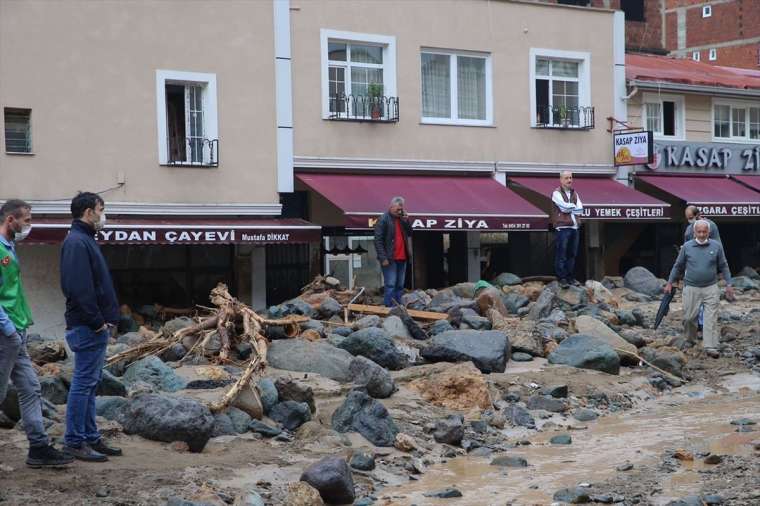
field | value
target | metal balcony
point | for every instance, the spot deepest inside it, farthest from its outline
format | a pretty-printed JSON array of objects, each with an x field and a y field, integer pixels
[
  {"x": 363, "y": 108},
  {"x": 565, "y": 118},
  {"x": 197, "y": 152}
]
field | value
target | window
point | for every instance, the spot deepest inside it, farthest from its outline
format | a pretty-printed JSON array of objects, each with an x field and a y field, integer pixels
[
  {"x": 358, "y": 70},
  {"x": 736, "y": 121},
  {"x": 18, "y": 132},
  {"x": 560, "y": 89},
  {"x": 713, "y": 55},
  {"x": 456, "y": 87},
  {"x": 633, "y": 9},
  {"x": 695, "y": 56},
  {"x": 187, "y": 118},
  {"x": 706, "y": 11},
  {"x": 663, "y": 115}
]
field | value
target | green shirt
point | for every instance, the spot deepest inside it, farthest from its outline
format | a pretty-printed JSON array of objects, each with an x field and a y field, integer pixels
[{"x": 12, "y": 300}]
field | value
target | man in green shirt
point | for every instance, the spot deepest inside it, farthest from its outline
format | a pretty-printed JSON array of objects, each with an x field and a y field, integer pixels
[{"x": 15, "y": 319}]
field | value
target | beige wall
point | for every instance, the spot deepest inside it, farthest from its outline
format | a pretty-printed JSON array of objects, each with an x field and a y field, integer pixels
[
  {"x": 87, "y": 69},
  {"x": 697, "y": 115},
  {"x": 507, "y": 30},
  {"x": 41, "y": 278}
]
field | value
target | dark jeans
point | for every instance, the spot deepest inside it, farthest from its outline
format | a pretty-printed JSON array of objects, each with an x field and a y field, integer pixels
[
  {"x": 394, "y": 275},
  {"x": 567, "y": 249},
  {"x": 89, "y": 350}
]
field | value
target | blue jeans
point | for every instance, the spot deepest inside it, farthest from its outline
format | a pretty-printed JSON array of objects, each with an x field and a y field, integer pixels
[
  {"x": 89, "y": 350},
  {"x": 16, "y": 366},
  {"x": 567, "y": 249},
  {"x": 394, "y": 275}
]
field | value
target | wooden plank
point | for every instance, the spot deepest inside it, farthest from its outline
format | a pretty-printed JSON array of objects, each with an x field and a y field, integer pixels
[{"x": 385, "y": 311}]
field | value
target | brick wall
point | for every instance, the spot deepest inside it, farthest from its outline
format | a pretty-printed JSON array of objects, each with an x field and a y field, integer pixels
[{"x": 745, "y": 56}]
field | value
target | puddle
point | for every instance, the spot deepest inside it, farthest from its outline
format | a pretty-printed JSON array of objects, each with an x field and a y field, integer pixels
[{"x": 695, "y": 424}]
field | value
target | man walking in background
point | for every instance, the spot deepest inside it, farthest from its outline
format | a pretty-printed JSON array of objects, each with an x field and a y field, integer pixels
[
  {"x": 15, "y": 319},
  {"x": 699, "y": 261},
  {"x": 566, "y": 220},
  {"x": 392, "y": 232},
  {"x": 91, "y": 312},
  {"x": 693, "y": 214}
]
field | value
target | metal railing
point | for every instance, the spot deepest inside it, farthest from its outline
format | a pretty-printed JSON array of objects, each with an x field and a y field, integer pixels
[
  {"x": 197, "y": 152},
  {"x": 570, "y": 118},
  {"x": 363, "y": 108}
]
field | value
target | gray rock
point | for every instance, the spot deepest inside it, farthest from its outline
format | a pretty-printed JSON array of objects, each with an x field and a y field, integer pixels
[
  {"x": 711, "y": 499},
  {"x": 240, "y": 419},
  {"x": 313, "y": 325},
  {"x": 262, "y": 428},
  {"x": 368, "y": 322},
  {"x": 445, "y": 300},
  {"x": 575, "y": 495},
  {"x": 6, "y": 423},
  {"x": 546, "y": 301},
  {"x": 164, "y": 418},
  {"x": 639, "y": 279},
  {"x": 417, "y": 299},
  {"x": 365, "y": 501},
  {"x": 572, "y": 296},
  {"x": 586, "y": 352},
  {"x": 585, "y": 415},
  {"x": 332, "y": 478},
  {"x": 54, "y": 389},
  {"x": 110, "y": 408},
  {"x": 130, "y": 339},
  {"x": 514, "y": 301},
  {"x": 363, "y": 414},
  {"x": 556, "y": 317},
  {"x": 111, "y": 385},
  {"x": 290, "y": 414},
  {"x": 335, "y": 339},
  {"x": 305, "y": 356},
  {"x": 290, "y": 390},
  {"x": 375, "y": 378},
  {"x": 612, "y": 282},
  {"x": 745, "y": 283},
  {"x": 395, "y": 327},
  {"x": 562, "y": 439},
  {"x": 547, "y": 404},
  {"x": 176, "y": 324},
  {"x": 519, "y": 356},
  {"x": 667, "y": 360},
  {"x": 633, "y": 337},
  {"x": 343, "y": 331},
  {"x": 626, "y": 317},
  {"x": 624, "y": 467},
  {"x": 223, "y": 426},
  {"x": 376, "y": 345},
  {"x": 556, "y": 391},
  {"x": 488, "y": 350},
  {"x": 249, "y": 498},
  {"x": 465, "y": 290},
  {"x": 446, "y": 493},
  {"x": 637, "y": 297},
  {"x": 362, "y": 460},
  {"x": 174, "y": 353},
  {"x": 519, "y": 417},
  {"x": 477, "y": 322},
  {"x": 268, "y": 394},
  {"x": 509, "y": 461},
  {"x": 749, "y": 272},
  {"x": 743, "y": 421},
  {"x": 449, "y": 430},
  {"x": 440, "y": 326},
  {"x": 506, "y": 279},
  {"x": 329, "y": 308},
  {"x": 690, "y": 500},
  {"x": 153, "y": 371},
  {"x": 294, "y": 306}
]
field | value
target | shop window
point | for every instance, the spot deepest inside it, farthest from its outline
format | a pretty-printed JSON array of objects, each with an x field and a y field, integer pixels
[
  {"x": 633, "y": 9},
  {"x": 736, "y": 121},
  {"x": 560, "y": 88},
  {"x": 18, "y": 130},
  {"x": 353, "y": 260},
  {"x": 663, "y": 115},
  {"x": 456, "y": 87}
]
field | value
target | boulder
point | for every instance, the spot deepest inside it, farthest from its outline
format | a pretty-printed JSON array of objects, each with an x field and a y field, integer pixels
[
  {"x": 305, "y": 356},
  {"x": 290, "y": 414},
  {"x": 418, "y": 300},
  {"x": 315, "y": 325},
  {"x": 268, "y": 394},
  {"x": 575, "y": 495},
  {"x": 332, "y": 478},
  {"x": 164, "y": 418},
  {"x": 513, "y": 301},
  {"x": 586, "y": 352},
  {"x": 175, "y": 352},
  {"x": 600, "y": 293},
  {"x": 362, "y": 460},
  {"x": 639, "y": 279},
  {"x": 248, "y": 400},
  {"x": 745, "y": 283},
  {"x": 519, "y": 417},
  {"x": 439, "y": 326},
  {"x": 376, "y": 379},
  {"x": 488, "y": 350},
  {"x": 153, "y": 371},
  {"x": 54, "y": 389},
  {"x": 465, "y": 290},
  {"x": 509, "y": 461},
  {"x": 111, "y": 385},
  {"x": 45, "y": 352},
  {"x": 459, "y": 387},
  {"x": 295, "y": 306},
  {"x": 572, "y": 296},
  {"x": 262, "y": 428},
  {"x": 367, "y": 322},
  {"x": 556, "y": 391},
  {"x": 449, "y": 430},
  {"x": 395, "y": 327},
  {"x": 527, "y": 338},
  {"x": 476, "y": 322},
  {"x": 585, "y": 415},
  {"x": 666, "y": 358},
  {"x": 521, "y": 357},
  {"x": 329, "y": 308},
  {"x": 363, "y": 414},
  {"x": 749, "y": 272},
  {"x": 506, "y": 279},
  {"x": 110, "y": 408},
  {"x": 562, "y": 439},
  {"x": 239, "y": 418},
  {"x": 545, "y": 303},
  {"x": 223, "y": 426},
  {"x": 593, "y": 327},
  {"x": 176, "y": 324},
  {"x": 445, "y": 300},
  {"x": 376, "y": 345},
  {"x": 633, "y": 337},
  {"x": 291, "y": 390},
  {"x": 130, "y": 339},
  {"x": 546, "y": 403},
  {"x": 302, "y": 494}
]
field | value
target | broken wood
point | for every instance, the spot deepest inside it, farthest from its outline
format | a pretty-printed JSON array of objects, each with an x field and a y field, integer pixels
[
  {"x": 385, "y": 311},
  {"x": 639, "y": 357},
  {"x": 414, "y": 329}
]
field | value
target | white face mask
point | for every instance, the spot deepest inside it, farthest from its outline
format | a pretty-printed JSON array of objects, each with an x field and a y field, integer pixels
[
  {"x": 20, "y": 236},
  {"x": 101, "y": 224},
  {"x": 701, "y": 242},
  {"x": 691, "y": 221}
]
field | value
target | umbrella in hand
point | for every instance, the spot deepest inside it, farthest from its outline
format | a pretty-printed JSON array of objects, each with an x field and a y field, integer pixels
[{"x": 664, "y": 307}]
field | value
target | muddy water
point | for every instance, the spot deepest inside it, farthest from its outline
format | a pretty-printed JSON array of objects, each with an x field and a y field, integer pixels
[{"x": 694, "y": 420}]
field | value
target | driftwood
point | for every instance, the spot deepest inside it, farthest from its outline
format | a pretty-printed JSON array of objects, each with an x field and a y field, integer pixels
[
  {"x": 234, "y": 323},
  {"x": 385, "y": 311}
]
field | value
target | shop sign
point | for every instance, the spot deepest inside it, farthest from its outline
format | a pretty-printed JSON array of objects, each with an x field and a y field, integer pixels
[
  {"x": 625, "y": 212},
  {"x": 470, "y": 223},
  {"x": 633, "y": 148},
  {"x": 715, "y": 158},
  {"x": 729, "y": 209}
]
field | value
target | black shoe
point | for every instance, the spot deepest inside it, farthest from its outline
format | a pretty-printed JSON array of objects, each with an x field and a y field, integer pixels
[
  {"x": 563, "y": 283},
  {"x": 103, "y": 448},
  {"x": 47, "y": 456},
  {"x": 85, "y": 453},
  {"x": 574, "y": 282}
]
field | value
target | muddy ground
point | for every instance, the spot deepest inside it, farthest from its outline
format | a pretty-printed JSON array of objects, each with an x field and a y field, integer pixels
[{"x": 627, "y": 455}]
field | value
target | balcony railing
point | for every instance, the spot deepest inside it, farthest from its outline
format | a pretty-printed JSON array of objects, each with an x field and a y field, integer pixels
[
  {"x": 561, "y": 117},
  {"x": 196, "y": 152},
  {"x": 363, "y": 108}
]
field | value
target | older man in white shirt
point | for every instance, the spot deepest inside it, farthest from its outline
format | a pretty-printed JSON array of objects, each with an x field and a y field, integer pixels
[{"x": 566, "y": 220}]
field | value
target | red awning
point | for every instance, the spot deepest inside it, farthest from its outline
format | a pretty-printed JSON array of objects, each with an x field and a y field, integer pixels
[
  {"x": 433, "y": 202},
  {"x": 686, "y": 71},
  {"x": 602, "y": 198},
  {"x": 185, "y": 231},
  {"x": 714, "y": 196},
  {"x": 751, "y": 181}
]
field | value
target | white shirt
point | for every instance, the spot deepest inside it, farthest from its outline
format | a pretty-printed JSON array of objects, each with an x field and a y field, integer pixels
[{"x": 568, "y": 207}]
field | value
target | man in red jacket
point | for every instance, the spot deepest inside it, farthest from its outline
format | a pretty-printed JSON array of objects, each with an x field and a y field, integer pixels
[{"x": 392, "y": 232}]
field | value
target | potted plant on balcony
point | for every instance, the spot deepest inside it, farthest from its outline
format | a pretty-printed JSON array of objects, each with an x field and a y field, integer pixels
[
  {"x": 564, "y": 115},
  {"x": 375, "y": 94}
]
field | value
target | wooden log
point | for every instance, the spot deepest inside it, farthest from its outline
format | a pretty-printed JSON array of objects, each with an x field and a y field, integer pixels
[{"x": 385, "y": 311}]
